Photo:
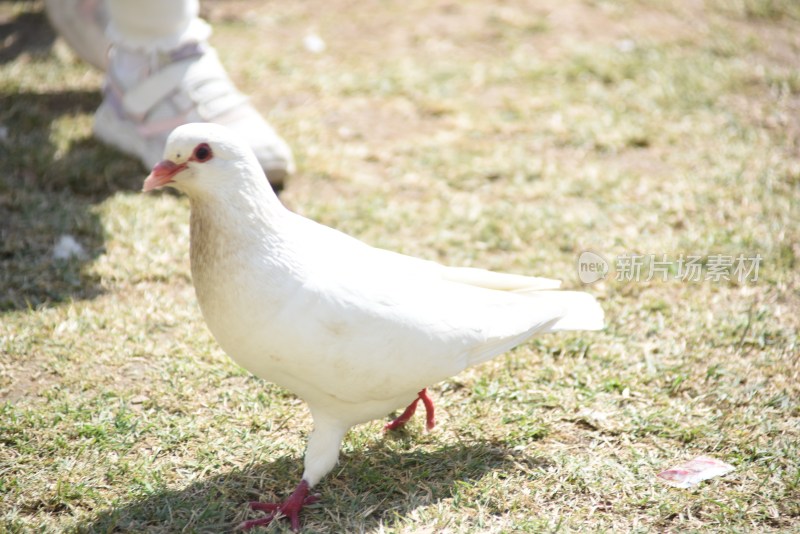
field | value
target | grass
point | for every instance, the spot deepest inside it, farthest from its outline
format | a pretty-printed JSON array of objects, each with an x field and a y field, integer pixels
[{"x": 509, "y": 136}]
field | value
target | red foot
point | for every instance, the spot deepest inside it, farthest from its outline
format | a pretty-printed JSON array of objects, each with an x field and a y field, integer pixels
[
  {"x": 430, "y": 421},
  {"x": 401, "y": 421},
  {"x": 289, "y": 508}
]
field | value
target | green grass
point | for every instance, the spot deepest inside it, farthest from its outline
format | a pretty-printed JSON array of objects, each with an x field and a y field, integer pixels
[{"x": 509, "y": 136}]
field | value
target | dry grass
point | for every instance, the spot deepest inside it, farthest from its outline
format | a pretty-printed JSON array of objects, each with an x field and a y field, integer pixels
[{"x": 508, "y": 135}]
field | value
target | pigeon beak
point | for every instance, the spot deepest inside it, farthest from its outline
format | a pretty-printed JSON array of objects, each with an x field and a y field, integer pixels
[{"x": 162, "y": 174}]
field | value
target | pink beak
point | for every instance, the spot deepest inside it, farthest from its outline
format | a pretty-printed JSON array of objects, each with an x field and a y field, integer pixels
[{"x": 162, "y": 174}]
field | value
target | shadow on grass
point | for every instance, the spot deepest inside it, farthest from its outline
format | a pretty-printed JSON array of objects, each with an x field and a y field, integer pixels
[
  {"x": 28, "y": 32},
  {"x": 48, "y": 191},
  {"x": 369, "y": 488}
]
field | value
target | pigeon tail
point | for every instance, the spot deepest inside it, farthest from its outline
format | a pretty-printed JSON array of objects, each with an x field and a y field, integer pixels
[
  {"x": 498, "y": 281},
  {"x": 581, "y": 311}
]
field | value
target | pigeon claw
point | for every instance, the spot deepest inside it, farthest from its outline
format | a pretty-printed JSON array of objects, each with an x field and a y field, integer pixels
[
  {"x": 401, "y": 421},
  {"x": 289, "y": 508}
]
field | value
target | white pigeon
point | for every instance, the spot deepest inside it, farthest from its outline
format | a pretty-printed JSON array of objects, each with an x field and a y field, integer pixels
[{"x": 354, "y": 331}]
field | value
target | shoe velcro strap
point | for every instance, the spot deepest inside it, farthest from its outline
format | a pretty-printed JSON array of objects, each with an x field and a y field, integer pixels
[
  {"x": 215, "y": 97},
  {"x": 190, "y": 72}
]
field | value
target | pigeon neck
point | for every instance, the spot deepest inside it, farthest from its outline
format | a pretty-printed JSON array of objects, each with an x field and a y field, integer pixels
[
  {"x": 254, "y": 204},
  {"x": 224, "y": 223}
]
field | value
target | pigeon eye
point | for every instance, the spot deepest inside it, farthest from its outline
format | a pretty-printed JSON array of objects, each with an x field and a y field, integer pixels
[{"x": 202, "y": 152}]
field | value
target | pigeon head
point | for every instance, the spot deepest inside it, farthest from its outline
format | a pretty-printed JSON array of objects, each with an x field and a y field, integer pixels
[{"x": 204, "y": 158}]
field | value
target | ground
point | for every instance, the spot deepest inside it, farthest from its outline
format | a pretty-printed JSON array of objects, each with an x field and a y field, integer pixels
[{"x": 510, "y": 135}]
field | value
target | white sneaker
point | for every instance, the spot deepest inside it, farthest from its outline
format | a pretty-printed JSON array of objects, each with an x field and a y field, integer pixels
[
  {"x": 148, "y": 94},
  {"x": 82, "y": 24}
]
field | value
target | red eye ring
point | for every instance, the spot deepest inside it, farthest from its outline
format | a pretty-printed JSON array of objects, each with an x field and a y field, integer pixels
[{"x": 202, "y": 153}]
